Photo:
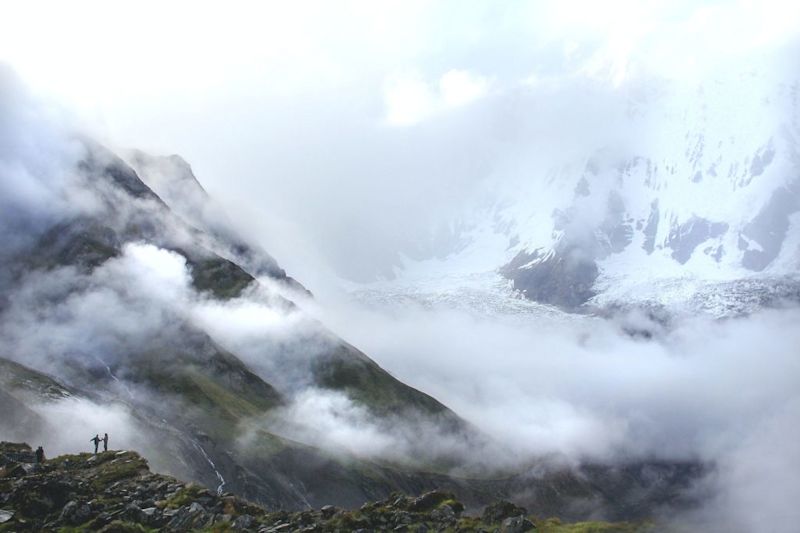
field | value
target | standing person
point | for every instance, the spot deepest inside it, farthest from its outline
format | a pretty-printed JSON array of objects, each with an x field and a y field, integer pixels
[
  {"x": 105, "y": 442},
  {"x": 96, "y": 440},
  {"x": 39, "y": 455}
]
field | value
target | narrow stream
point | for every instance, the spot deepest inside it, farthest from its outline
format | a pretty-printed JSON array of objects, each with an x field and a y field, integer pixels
[
  {"x": 115, "y": 378},
  {"x": 213, "y": 467}
]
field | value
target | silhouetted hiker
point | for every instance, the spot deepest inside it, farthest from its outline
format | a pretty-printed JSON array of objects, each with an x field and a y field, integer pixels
[
  {"x": 39, "y": 455},
  {"x": 105, "y": 442},
  {"x": 96, "y": 440}
]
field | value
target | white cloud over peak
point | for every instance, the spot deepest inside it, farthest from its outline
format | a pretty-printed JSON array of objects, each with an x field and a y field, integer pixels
[{"x": 411, "y": 99}]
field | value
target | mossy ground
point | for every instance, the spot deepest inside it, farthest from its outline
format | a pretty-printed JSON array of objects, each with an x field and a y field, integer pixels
[
  {"x": 554, "y": 525},
  {"x": 117, "y": 526},
  {"x": 222, "y": 278},
  {"x": 184, "y": 496},
  {"x": 216, "y": 393},
  {"x": 367, "y": 383}
]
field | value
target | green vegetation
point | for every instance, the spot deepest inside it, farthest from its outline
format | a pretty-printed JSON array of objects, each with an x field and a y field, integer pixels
[
  {"x": 200, "y": 390},
  {"x": 122, "y": 526},
  {"x": 117, "y": 526},
  {"x": 350, "y": 371},
  {"x": 184, "y": 496},
  {"x": 218, "y": 528},
  {"x": 81, "y": 242},
  {"x": 79, "y": 460},
  {"x": 18, "y": 377},
  {"x": 123, "y": 467},
  {"x": 454, "y": 504},
  {"x": 554, "y": 525},
  {"x": 222, "y": 278},
  {"x": 266, "y": 445},
  {"x": 217, "y": 392}
]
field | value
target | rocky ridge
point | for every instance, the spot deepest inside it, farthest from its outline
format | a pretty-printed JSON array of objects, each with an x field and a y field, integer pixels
[{"x": 115, "y": 491}]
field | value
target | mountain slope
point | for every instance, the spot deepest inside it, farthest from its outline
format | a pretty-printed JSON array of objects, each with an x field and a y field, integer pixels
[
  {"x": 87, "y": 242},
  {"x": 283, "y": 474},
  {"x": 83, "y": 269},
  {"x": 135, "y": 308},
  {"x": 172, "y": 179}
]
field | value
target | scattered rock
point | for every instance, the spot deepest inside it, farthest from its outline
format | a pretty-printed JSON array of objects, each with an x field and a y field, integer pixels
[
  {"x": 188, "y": 517},
  {"x": 517, "y": 524},
  {"x": 115, "y": 492},
  {"x": 499, "y": 511},
  {"x": 444, "y": 514},
  {"x": 429, "y": 500},
  {"x": 75, "y": 513},
  {"x": 243, "y": 522}
]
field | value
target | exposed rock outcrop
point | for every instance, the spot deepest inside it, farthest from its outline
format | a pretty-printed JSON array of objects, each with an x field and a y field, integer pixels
[{"x": 115, "y": 491}]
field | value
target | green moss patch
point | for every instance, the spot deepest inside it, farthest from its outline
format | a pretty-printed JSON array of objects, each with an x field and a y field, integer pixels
[{"x": 222, "y": 278}]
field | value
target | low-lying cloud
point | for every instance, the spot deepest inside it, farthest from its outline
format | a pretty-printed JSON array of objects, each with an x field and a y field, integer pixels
[{"x": 725, "y": 393}]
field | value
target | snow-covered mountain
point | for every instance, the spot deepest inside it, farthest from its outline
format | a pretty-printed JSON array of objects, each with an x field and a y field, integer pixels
[{"x": 687, "y": 187}]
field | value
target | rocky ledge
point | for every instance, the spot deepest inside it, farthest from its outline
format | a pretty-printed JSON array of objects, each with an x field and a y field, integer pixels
[{"x": 115, "y": 492}]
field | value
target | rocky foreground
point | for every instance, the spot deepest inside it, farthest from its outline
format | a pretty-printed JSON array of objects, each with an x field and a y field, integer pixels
[{"x": 115, "y": 492}]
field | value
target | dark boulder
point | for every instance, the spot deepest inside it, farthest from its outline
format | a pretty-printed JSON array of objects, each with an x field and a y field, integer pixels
[
  {"x": 75, "y": 513},
  {"x": 429, "y": 500},
  {"x": 499, "y": 511},
  {"x": 517, "y": 524}
]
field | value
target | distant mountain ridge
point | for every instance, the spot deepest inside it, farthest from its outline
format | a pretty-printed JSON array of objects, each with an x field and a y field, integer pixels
[{"x": 700, "y": 182}]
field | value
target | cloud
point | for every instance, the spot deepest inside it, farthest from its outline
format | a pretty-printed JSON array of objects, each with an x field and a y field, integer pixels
[
  {"x": 460, "y": 87},
  {"x": 278, "y": 343},
  {"x": 410, "y": 99},
  {"x": 64, "y": 317},
  {"x": 554, "y": 376},
  {"x": 332, "y": 421},
  {"x": 580, "y": 388},
  {"x": 38, "y": 151},
  {"x": 63, "y": 417},
  {"x": 757, "y": 481}
]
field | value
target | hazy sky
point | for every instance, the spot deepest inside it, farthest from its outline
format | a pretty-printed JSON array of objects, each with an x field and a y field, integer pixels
[{"x": 340, "y": 132}]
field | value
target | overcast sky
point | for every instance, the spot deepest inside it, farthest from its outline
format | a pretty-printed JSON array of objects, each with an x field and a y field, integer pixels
[{"x": 338, "y": 133}]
